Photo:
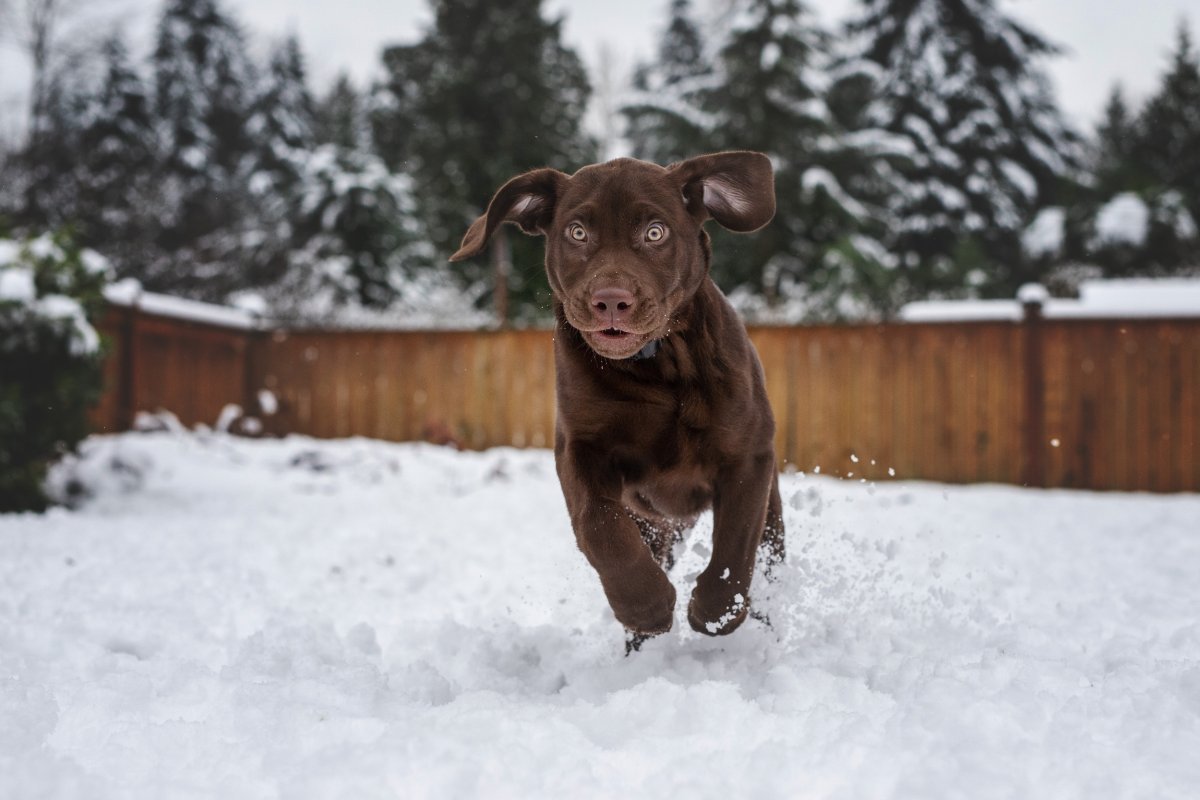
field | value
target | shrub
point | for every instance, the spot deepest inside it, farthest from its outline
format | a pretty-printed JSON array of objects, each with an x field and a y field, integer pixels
[{"x": 50, "y": 359}]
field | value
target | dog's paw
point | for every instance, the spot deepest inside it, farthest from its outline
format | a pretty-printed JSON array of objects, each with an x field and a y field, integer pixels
[
  {"x": 650, "y": 614},
  {"x": 717, "y": 614}
]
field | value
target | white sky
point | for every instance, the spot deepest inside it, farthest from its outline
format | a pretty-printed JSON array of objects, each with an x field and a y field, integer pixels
[{"x": 1126, "y": 40}]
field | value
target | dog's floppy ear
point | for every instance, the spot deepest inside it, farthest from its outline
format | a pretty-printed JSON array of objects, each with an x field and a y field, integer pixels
[
  {"x": 735, "y": 188},
  {"x": 528, "y": 200}
]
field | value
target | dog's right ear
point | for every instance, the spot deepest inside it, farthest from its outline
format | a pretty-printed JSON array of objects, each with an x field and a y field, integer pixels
[{"x": 528, "y": 200}]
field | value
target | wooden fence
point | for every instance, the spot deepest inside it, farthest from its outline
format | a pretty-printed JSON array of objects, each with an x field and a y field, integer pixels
[{"x": 1102, "y": 404}]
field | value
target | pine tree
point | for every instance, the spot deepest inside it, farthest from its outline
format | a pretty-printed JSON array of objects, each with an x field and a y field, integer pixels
[
  {"x": 1168, "y": 141},
  {"x": 765, "y": 89},
  {"x": 662, "y": 123},
  {"x": 491, "y": 91},
  {"x": 341, "y": 118},
  {"x": 356, "y": 238},
  {"x": 1113, "y": 162},
  {"x": 1149, "y": 167},
  {"x": 203, "y": 95},
  {"x": 46, "y": 194},
  {"x": 768, "y": 98},
  {"x": 283, "y": 120},
  {"x": 961, "y": 82},
  {"x": 115, "y": 174},
  {"x": 281, "y": 133}
]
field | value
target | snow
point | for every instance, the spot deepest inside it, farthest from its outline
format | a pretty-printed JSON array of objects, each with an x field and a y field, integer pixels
[
  {"x": 84, "y": 339},
  {"x": 129, "y": 293},
  {"x": 1151, "y": 296},
  {"x": 298, "y": 618},
  {"x": 1125, "y": 298},
  {"x": 1123, "y": 220},
  {"x": 1032, "y": 293},
  {"x": 17, "y": 284},
  {"x": 1044, "y": 236}
]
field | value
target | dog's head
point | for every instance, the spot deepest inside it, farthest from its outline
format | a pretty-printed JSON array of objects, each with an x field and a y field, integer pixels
[{"x": 625, "y": 246}]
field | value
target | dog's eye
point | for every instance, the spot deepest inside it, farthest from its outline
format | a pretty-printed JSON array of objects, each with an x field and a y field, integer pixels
[
  {"x": 656, "y": 232},
  {"x": 576, "y": 232}
]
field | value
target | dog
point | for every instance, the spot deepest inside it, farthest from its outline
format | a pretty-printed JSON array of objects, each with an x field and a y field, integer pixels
[{"x": 662, "y": 405}]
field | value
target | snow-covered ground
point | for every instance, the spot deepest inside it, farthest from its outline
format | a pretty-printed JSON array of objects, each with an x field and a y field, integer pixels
[{"x": 353, "y": 619}]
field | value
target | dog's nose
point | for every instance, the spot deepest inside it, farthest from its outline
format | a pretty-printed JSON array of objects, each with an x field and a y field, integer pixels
[{"x": 612, "y": 304}]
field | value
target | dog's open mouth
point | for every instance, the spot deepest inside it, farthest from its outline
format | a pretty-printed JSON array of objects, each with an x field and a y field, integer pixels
[{"x": 616, "y": 342}]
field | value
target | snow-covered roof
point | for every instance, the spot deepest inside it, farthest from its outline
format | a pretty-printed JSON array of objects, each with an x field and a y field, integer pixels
[{"x": 1126, "y": 298}]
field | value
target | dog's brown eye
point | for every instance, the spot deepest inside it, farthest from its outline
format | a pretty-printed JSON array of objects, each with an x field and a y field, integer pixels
[
  {"x": 577, "y": 232},
  {"x": 656, "y": 232}
]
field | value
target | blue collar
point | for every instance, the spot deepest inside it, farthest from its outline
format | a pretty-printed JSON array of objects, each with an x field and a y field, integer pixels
[{"x": 646, "y": 352}]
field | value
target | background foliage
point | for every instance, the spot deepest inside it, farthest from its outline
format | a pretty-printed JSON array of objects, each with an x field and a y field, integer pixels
[{"x": 919, "y": 149}]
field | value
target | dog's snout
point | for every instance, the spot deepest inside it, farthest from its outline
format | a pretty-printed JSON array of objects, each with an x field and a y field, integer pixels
[{"x": 612, "y": 304}]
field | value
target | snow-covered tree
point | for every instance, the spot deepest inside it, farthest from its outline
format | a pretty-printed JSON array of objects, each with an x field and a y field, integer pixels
[
  {"x": 45, "y": 190},
  {"x": 760, "y": 83},
  {"x": 1137, "y": 212},
  {"x": 357, "y": 243},
  {"x": 282, "y": 120},
  {"x": 1112, "y": 162},
  {"x": 341, "y": 118},
  {"x": 663, "y": 124},
  {"x": 203, "y": 94},
  {"x": 115, "y": 172},
  {"x": 964, "y": 85},
  {"x": 1168, "y": 145},
  {"x": 489, "y": 92},
  {"x": 281, "y": 133}
]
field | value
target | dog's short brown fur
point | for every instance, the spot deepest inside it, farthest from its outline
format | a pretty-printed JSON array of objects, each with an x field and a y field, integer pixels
[{"x": 662, "y": 409}]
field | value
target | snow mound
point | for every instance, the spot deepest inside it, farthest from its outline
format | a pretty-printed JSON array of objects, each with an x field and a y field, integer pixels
[{"x": 301, "y": 618}]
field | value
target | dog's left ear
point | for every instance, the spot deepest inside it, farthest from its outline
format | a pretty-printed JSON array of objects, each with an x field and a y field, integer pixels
[
  {"x": 528, "y": 200},
  {"x": 735, "y": 188}
]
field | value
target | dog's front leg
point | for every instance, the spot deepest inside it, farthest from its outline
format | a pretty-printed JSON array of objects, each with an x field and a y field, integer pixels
[
  {"x": 721, "y": 599},
  {"x": 639, "y": 592}
]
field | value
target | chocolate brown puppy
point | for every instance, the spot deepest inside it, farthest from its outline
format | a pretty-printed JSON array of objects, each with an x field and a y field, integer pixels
[{"x": 662, "y": 408}]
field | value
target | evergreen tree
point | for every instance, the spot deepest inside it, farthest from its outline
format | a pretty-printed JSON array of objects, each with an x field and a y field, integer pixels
[
  {"x": 281, "y": 133},
  {"x": 115, "y": 173},
  {"x": 1168, "y": 141},
  {"x": 662, "y": 123},
  {"x": 1142, "y": 217},
  {"x": 1113, "y": 162},
  {"x": 203, "y": 95},
  {"x": 489, "y": 92},
  {"x": 765, "y": 90},
  {"x": 341, "y": 118},
  {"x": 45, "y": 194},
  {"x": 283, "y": 121},
  {"x": 768, "y": 98},
  {"x": 988, "y": 146}
]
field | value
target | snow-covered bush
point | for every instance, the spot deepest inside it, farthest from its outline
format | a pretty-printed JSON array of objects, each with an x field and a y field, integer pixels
[{"x": 50, "y": 359}]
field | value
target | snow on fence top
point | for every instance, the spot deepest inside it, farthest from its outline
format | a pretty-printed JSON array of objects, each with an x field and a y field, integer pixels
[
  {"x": 129, "y": 293},
  {"x": 1128, "y": 298}
]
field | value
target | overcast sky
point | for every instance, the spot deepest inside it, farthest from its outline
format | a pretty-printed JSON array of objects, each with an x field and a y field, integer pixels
[{"x": 1126, "y": 40}]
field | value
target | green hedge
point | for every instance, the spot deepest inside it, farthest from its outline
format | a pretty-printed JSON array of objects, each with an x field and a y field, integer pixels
[{"x": 50, "y": 359}]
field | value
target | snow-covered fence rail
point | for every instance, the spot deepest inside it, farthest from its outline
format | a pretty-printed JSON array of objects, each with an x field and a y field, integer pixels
[{"x": 1072, "y": 402}]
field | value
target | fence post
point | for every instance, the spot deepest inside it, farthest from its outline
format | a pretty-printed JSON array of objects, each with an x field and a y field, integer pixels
[
  {"x": 1032, "y": 296},
  {"x": 127, "y": 367}
]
